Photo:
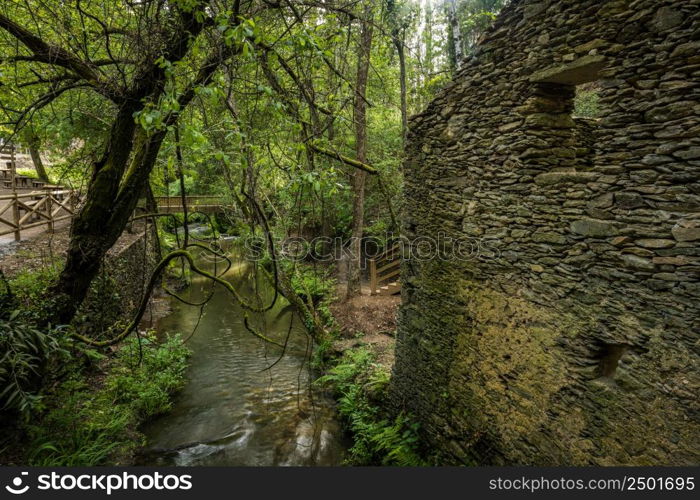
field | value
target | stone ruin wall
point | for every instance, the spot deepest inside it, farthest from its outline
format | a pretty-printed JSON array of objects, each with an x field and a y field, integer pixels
[
  {"x": 119, "y": 287},
  {"x": 573, "y": 337}
]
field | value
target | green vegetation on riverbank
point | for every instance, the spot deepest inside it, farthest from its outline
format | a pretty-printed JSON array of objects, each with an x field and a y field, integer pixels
[
  {"x": 360, "y": 387},
  {"x": 65, "y": 404},
  {"x": 101, "y": 408}
]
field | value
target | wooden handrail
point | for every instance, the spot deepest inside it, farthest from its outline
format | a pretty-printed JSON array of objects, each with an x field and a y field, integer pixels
[
  {"x": 40, "y": 208},
  {"x": 388, "y": 261},
  {"x": 34, "y": 194},
  {"x": 188, "y": 196},
  {"x": 198, "y": 203}
]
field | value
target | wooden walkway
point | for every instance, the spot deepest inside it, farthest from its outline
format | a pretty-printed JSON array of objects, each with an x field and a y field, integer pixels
[
  {"x": 23, "y": 211},
  {"x": 27, "y": 203},
  {"x": 206, "y": 204}
]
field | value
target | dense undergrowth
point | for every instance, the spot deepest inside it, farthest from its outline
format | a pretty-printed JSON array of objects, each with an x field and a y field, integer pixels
[
  {"x": 359, "y": 384},
  {"x": 64, "y": 404},
  {"x": 92, "y": 417},
  {"x": 315, "y": 286},
  {"x": 360, "y": 387}
]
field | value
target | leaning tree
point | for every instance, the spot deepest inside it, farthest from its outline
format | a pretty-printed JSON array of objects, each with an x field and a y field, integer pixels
[{"x": 146, "y": 60}]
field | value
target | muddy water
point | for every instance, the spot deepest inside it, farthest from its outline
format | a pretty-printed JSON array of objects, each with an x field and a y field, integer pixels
[{"x": 234, "y": 411}]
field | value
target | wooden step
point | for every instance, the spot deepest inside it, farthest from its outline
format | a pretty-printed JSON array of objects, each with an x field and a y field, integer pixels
[{"x": 390, "y": 288}]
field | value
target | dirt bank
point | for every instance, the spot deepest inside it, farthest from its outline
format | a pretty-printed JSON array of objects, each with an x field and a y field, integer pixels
[
  {"x": 367, "y": 321},
  {"x": 42, "y": 249}
]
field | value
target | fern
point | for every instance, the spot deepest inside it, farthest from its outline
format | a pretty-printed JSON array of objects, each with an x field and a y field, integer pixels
[{"x": 377, "y": 440}]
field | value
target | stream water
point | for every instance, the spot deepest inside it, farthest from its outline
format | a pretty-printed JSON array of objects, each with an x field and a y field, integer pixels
[{"x": 232, "y": 410}]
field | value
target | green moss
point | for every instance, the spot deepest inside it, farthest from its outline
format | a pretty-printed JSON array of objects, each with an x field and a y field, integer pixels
[
  {"x": 519, "y": 379},
  {"x": 508, "y": 354}
]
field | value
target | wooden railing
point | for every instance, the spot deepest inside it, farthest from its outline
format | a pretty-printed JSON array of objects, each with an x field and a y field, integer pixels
[
  {"x": 201, "y": 203},
  {"x": 384, "y": 272},
  {"x": 22, "y": 211}
]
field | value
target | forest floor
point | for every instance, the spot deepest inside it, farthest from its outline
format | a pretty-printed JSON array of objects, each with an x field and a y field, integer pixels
[
  {"x": 367, "y": 321},
  {"x": 39, "y": 248}
]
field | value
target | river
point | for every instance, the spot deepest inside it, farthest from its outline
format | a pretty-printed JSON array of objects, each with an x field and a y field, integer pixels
[{"x": 232, "y": 410}]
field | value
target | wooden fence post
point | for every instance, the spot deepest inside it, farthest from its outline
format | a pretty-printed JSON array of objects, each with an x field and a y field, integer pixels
[
  {"x": 372, "y": 277},
  {"x": 49, "y": 212},
  {"x": 15, "y": 215}
]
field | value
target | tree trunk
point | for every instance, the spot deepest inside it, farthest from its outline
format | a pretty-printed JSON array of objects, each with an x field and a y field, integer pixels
[
  {"x": 454, "y": 36},
  {"x": 108, "y": 208},
  {"x": 119, "y": 177},
  {"x": 428, "y": 39},
  {"x": 358, "y": 185},
  {"x": 401, "y": 49},
  {"x": 34, "y": 145}
]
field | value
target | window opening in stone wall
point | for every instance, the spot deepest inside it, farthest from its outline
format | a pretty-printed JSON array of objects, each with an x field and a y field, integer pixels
[
  {"x": 610, "y": 359},
  {"x": 587, "y": 101}
]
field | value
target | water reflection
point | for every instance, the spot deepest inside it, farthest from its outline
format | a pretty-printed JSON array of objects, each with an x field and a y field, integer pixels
[{"x": 232, "y": 411}]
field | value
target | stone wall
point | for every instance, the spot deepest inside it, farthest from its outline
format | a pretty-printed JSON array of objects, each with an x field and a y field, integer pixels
[
  {"x": 572, "y": 337},
  {"x": 117, "y": 291}
]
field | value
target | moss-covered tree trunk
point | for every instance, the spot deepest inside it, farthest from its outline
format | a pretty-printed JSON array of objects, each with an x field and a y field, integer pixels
[
  {"x": 34, "y": 146},
  {"x": 109, "y": 205}
]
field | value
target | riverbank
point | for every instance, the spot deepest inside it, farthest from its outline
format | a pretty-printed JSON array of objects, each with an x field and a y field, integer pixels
[
  {"x": 91, "y": 408},
  {"x": 356, "y": 367},
  {"x": 41, "y": 249},
  {"x": 366, "y": 321},
  {"x": 67, "y": 404}
]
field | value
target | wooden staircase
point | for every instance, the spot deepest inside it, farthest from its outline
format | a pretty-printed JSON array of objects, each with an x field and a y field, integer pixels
[{"x": 384, "y": 272}]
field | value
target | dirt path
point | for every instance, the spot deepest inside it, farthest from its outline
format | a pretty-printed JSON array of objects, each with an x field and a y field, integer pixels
[
  {"x": 367, "y": 321},
  {"x": 42, "y": 249}
]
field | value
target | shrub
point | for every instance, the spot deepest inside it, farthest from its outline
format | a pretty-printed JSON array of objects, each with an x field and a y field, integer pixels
[
  {"x": 30, "y": 291},
  {"x": 317, "y": 286},
  {"x": 586, "y": 103},
  {"x": 25, "y": 353}
]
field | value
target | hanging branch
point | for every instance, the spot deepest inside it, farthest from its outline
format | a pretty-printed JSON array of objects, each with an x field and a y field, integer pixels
[
  {"x": 176, "y": 254},
  {"x": 270, "y": 244},
  {"x": 181, "y": 175},
  {"x": 284, "y": 347}
]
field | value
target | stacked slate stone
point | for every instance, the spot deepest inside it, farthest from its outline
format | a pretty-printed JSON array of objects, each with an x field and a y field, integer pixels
[{"x": 571, "y": 336}]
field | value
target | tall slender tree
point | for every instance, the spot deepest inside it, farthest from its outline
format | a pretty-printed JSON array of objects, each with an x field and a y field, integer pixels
[
  {"x": 360, "y": 119},
  {"x": 456, "y": 43}
]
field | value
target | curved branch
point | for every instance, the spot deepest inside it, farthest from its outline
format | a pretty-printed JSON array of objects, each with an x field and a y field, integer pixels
[{"x": 176, "y": 254}]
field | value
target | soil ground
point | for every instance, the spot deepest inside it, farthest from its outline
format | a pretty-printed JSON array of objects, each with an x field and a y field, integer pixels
[
  {"x": 39, "y": 248},
  {"x": 367, "y": 321}
]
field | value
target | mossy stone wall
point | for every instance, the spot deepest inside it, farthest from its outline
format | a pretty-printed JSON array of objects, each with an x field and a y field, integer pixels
[{"x": 571, "y": 335}]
